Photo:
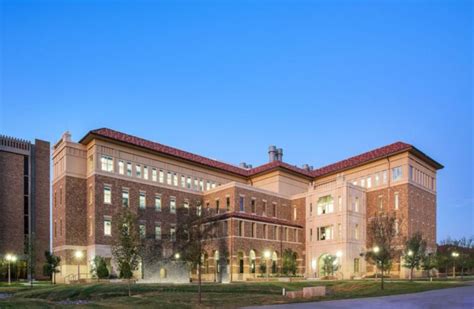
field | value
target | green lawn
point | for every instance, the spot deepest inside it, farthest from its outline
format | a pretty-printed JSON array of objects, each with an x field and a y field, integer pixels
[{"x": 185, "y": 296}]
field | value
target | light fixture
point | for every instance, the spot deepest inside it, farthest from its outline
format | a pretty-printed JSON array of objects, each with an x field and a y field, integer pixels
[
  {"x": 177, "y": 255},
  {"x": 266, "y": 254},
  {"x": 313, "y": 264},
  {"x": 78, "y": 254},
  {"x": 410, "y": 253},
  {"x": 376, "y": 249},
  {"x": 339, "y": 254},
  {"x": 455, "y": 254}
]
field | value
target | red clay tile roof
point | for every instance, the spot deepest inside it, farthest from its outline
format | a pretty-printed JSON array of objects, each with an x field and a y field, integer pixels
[
  {"x": 243, "y": 215},
  {"x": 340, "y": 166}
]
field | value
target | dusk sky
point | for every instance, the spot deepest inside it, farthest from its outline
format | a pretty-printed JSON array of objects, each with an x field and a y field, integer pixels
[{"x": 324, "y": 80}]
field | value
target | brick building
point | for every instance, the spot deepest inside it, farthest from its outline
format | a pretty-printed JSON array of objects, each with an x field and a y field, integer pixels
[
  {"x": 24, "y": 200},
  {"x": 266, "y": 209}
]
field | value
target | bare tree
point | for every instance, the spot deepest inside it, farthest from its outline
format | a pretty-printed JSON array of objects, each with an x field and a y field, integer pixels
[
  {"x": 194, "y": 230},
  {"x": 414, "y": 252},
  {"x": 126, "y": 246},
  {"x": 381, "y": 234}
]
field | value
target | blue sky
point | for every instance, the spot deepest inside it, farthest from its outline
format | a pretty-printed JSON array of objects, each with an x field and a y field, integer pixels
[{"x": 325, "y": 80}]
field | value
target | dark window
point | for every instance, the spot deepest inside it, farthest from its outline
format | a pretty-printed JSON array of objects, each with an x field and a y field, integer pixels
[{"x": 26, "y": 170}]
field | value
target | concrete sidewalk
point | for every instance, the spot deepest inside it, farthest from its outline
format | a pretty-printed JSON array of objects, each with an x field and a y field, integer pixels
[{"x": 461, "y": 297}]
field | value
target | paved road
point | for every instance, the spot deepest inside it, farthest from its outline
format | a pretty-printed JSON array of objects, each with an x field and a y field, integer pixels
[{"x": 462, "y": 297}]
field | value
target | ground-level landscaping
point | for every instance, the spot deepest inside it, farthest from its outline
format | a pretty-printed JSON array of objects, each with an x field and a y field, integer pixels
[{"x": 108, "y": 295}]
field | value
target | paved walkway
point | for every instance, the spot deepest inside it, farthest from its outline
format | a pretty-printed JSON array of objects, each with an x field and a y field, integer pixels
[{"x": 462, "y": 297}]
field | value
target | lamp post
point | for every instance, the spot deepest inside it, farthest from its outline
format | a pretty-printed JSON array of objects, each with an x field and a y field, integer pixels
[
  {"x": 454, "y": 255},
  {"x": 177, "y": 256},
  {"x": 78, "y": 255},
  {"x": 376, "y": 250},
  {"x": 266, "y": 254},
  {"x": 10, "y": 258}
]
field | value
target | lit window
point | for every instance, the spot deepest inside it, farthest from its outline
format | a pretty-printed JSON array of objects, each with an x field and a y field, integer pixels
[
  {"x": 196, "y": 184},
  {"x": 142, "y": 200},
  {"x": 158, "y": 203},
  {"x": 369, "y": 182},
  {"x": 208, "y": 185},
  {"x": 142, "y": 229},
  {"x": 129, "y": 169},
  {"x": 325, "y": 205},
  {"x": 380, "y": 202},
  {"x": 107, "y": 195},
  {"x": 183, "y": 181},
  {"x": 125, "y": 198},
  {"x": 396, "y": 173},
  {"x": 154, "y": 175},
  {"x": 188, "y": 182},
  {"x": 384, "y": 177},
  {"x": 213, "y": 185},
  {"x": 107, "y": 227},
  {"x": 377, "y": 179},
  {"x": 175, "y": 180},
  {"x": 162, "y": 176},
  {"x": 121, "y": 167},
  {"x": 169, "y": 179},
  {"x": 107, "y": 163},
  {"x": 157, "y": 231},
  {"x": 294, "y": 213},
  {"x": 186, "y": 207},
  {"x": 241, "y": 203},
  {"x": 396, "y": 201},
  {"x": 356, "y": 204},
  {"x": 362, "y": 182},
  {"x": 138, "y": 171},
  {"x": 173, "y": 205},
  {"x": 145, "y": 172},
  {"x": 201, "y": 185},
  {"x": 173, "y": 233},
  {"x": 325, "y": 233}
]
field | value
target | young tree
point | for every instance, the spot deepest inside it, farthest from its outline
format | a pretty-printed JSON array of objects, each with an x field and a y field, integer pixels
[
  {"x": 381, "y": 233},
  {"x": 429, "y": 263},
  {"x": 99, "y": 268},
  {"x": 50, "y": 267},
  {"x": 289, "y": 262},
  {"x": 414, "y": 252},
  {"x": 126, "y": 245},
  {"x": 194, "y": 230},
  {"x": 330, "y": 265}
]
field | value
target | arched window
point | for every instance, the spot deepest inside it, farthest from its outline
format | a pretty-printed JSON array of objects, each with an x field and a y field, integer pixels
[
  {"x": 274, "y": 262},
  {"x": 241, "y": 262},
  {"x": 252, "y": 260},
  {"x": 163, "y": 273}
]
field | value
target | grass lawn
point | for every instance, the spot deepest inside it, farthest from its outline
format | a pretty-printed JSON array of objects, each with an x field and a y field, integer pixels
[{"x": 185, "y": 296}]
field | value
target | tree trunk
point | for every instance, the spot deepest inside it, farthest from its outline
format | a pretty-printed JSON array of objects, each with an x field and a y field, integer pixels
[
  {"x": 129, "y": 288},
  {"x": 411, "y": 274},
  {"x": 199, "y": 282},
  {"x": 382, "y": 287}
]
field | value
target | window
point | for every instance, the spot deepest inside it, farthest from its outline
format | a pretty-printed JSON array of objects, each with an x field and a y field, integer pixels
[
  {"x": 121, "y": 165},
  {"x": 129, "y": 169},
  {"x": 252, "y": 205},
  {"x": 201, "y": 185},
  {"x": 142, "y": 229},
  {"x": 91, "y": 196},
  {"x": 173, "y": 205},
  {"x": 294, "y": 213},
  {"x": 145, "y": 172},
  {"x": 397, "y": 173},
  {"x": 356, "y": 265},
  {"x": 161, "y": 178},
  {"x": 91, "y": 163},
  {"x": 175, "y": 179},
  {"x": 241, "y": 228},
  {"x": 183, "y": 181},
  {"x": 138, "y": 171},
  {"x": 339, "y": 203},
  {"x": 254, "y": 230},
  {"x": 157, "y": 231},
  {"x": 227, "y": 203},
  {"x": 274, "y": 211},
  {"x": 362, "y": 182},
  {"x": 339, "y": 231},
  {"x": 199, "y": 210},
  {"x": 377, "y": 179},
  {"x": 384, "y": 177},
  {"x": 264, "y": 208},
  {"x": 208, "y": 185},
  {"x": 169, "y": 179},
  {"x": 265, "y": 232},
  {"x": 241, "y": 203},
  {"x": 380, "y": 202},
  {"x": 396, "y": 201},
  {"x": 186, "y": 207},
  {"x": 188, "y": 182},
  {"x": 410, "y": 171},
  {"x": 310, "y": 234},
  {"x": 356, "y": 232},
  {"x": 107, "y": 163},
  {"x": 142, "y": 200},
  {"x": 325, "y": 205},
  {"x": 275, "y": 232},
  {"x": 157, "y": 202},
  {"x": 325, "y": 233},
  {"x": 310, "y": 209},
  {"x": 107, "y": 227},
  {"x": 356, "y": 204},
  {"x": 196, "y": 184},
  {"x": 369, "y": 182},
  {"x": 125, "y": 198},
  {"x": 154, "y": 174},
  {"x": 217, "y": 206},
  {"x": 173, "y": 233},
  {"x": 107, "y": 195},
  {"x": 286, "y": 234}
]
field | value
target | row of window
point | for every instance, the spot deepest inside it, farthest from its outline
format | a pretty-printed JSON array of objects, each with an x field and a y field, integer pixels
[
  {"x": 278, "y": 233},
  {"x": 421, "y": 178},
  {"x": 141, "y": 229},
  {"x": 327, "y": 232},
  {"x": 325, "y": 205},
  {"x": 396, "y": 201},
  {"x": 156, "y": 175},
  {"x": 379, "y": 178}
]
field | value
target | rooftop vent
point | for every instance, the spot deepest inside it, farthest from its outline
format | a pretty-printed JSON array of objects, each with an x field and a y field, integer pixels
[
  {"x": 307, "y": 167},
  {"x": 245, "y": 165},
  {"x": 275, "y": 154}
]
